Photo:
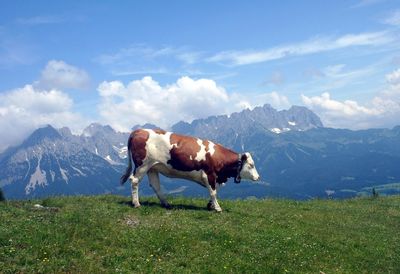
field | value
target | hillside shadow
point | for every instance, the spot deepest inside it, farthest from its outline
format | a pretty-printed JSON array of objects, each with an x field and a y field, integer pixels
[{"x": 174, "y": 206}]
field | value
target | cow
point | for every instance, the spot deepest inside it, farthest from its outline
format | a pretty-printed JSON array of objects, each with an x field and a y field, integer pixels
[{"x": 178, "y": 156}]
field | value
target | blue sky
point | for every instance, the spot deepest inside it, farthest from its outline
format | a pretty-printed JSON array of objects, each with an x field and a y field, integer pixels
[{"x": 69, "y": 63}]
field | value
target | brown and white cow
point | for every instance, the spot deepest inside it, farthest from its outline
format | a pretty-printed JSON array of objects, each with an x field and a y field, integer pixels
[{"x": 178, "y": 156}]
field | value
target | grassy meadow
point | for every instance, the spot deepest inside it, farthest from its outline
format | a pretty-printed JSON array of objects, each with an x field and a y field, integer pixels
[{"x": 104, "y": 234}]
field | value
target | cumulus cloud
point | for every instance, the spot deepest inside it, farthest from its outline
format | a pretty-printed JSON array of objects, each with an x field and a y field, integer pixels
[
  {"x": 382, "y": 111},
  {"x": 60, "y": 75},
  {"x": 145, "y": 100},
  {"x": 25, "y": 109}
]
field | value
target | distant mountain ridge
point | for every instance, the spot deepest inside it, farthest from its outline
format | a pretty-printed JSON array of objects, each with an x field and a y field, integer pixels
[
  {"x": 296, "y": 156},
  {"x": 296, "y": 118}
]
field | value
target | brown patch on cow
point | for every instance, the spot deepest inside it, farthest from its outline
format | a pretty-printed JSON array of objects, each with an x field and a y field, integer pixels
[
  {"x": 138, "y": 141},
  {"x": 226, "y": 163},
  {"x": 183, "y": 153},
  {"x": 206, "y": 143},
  {"x": 218, "y": 167},
  {"x": 159, "y": 131}
]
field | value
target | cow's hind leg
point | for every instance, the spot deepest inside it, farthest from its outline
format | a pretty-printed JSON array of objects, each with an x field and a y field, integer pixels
[
  {"x": 135, "y": 180},
  {"x": 154, "y": 180}
]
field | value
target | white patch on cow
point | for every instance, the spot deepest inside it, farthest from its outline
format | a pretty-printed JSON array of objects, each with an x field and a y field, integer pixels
[
  {"x": 211, "y": 148},
  {"x": 158, "y": 148},
  {"x": 291, "y": 123},
  {"x": 190, "y": 157},
  {"x": 201, "y": 155}
]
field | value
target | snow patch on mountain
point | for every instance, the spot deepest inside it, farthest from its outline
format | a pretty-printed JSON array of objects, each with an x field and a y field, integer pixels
[{"x": 38, "y": 178}]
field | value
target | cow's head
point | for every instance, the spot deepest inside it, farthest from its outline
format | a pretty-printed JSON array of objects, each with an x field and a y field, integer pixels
[{"x": 247, "y": 169}]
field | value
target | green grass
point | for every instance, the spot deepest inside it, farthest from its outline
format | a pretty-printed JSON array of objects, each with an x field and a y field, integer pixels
[{"x": 104, "y": 234}]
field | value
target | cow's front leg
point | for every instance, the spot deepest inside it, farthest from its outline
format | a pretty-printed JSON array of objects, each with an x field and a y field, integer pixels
[
  {"x": 212, "y": 188},
  {"x": 213, "y": 203}
]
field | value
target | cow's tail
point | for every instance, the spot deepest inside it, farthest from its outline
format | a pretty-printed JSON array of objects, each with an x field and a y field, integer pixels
[{"x": 128, "y": 170}]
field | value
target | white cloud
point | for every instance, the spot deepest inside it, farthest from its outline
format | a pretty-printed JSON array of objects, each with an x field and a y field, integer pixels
[
  {"x": 393, "y": 18},
  {"x": 60, "y": 75},
  {"x": 25, "y": 109},
  {"x": 140, "y": 101},
  {"x": 335, "y": 108},
  {"x": 237, "y": 58},
  {"x": 382, "y": 111},
  {"x": 146, "y": 100}
]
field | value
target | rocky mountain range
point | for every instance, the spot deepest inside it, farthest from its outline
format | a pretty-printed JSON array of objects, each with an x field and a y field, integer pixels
[
  {"x": 52, "y": 161},
  {"x": 296, "y": 156},
  {"x": 266, "y": 118}
]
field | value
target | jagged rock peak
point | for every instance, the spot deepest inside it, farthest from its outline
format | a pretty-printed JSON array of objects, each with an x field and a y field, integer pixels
[
  {"x": 40, "y": 134},
  {"x": 147, "y": 125},
  {"x": 96, "y": 128}
]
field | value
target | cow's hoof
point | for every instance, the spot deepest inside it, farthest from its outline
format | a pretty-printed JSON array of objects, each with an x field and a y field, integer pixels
[
  {"x": 210, "y": 206},
  {"x": 166, "y": 206},
  {"x": 136, "y": 205}
]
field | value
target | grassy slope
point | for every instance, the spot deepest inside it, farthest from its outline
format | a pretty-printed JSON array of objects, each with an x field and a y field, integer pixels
[{"x": 105, "y": 234}]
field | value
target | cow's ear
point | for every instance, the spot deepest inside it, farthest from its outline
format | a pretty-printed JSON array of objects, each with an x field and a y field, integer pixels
[{"x": 244, "y": 157}]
